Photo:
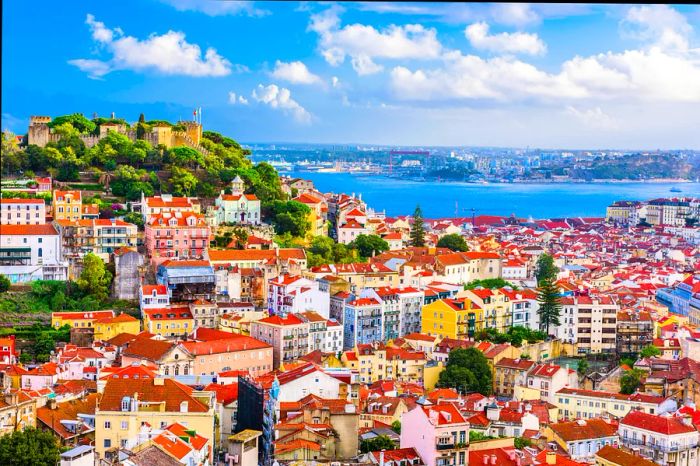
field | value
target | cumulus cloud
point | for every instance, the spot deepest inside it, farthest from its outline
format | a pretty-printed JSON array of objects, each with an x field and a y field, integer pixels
[
  {"x": 280, "y": 98},
  {"x": 294, "y": 72},
  {"x": 169, "y": 54},
  {"x": 633, "y": 75},
  {"x": 335, "y": 81},
  {"x": 363, "y": 43},
  {"x": 659, "y": 25},
  {"x": 594, "y": 118},
  {"x": 514, "y": 14},
  {"x": 517, "y": 42},
  {"x": 236, "y": 99},
  {"x": 218, "y": 7}
]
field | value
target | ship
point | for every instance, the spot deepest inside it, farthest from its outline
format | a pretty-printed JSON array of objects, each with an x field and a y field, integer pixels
[{"x": 675, "y": 190}]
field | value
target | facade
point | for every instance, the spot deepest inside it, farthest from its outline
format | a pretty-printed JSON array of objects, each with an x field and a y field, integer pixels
[
  {"x": 574, "y": 403},
  {"x": 31, "y": 252},
  {"x": 510, "y": 373},
  {"x": 22, "y": 211},
  {"x": 293, "y": 294},
  {"x": 590, "y": 322},
  {"x": 174, "y": 321},
  {"x": 548, "y": 379},
  {"x": 452, "y": 318},
  {"x": 237, "y": 207},
  {"x": 238, "y": 353},
  {"x": 177, "y": 235},
  {"x": 101, "y": 237},
  {"x": 153, "y": 297},
  {"x": 439, "y": 433},
  {"x": 666, "y": 440},
  {"x": 67, "y": 205},
  {"x": 582, "y": 439},
  {"x": 128, "y": 263},
  {"x": 167, "y": 203},
  {"x": 288, "y": 335}
]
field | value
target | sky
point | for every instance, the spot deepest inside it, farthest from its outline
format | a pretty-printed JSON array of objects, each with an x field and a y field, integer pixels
[{"x": 510, "y": 75}]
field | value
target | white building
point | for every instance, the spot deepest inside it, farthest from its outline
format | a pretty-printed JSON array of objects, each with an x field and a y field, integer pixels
[
  {"x": 324, "y": 335},
  {"x": 293, "y": 294},
  {"x": 237, "y": 207},
  {"x": 153, "y": 297},
  {"x": 22, "y": 211},
  {"x": 514, "y": 269},
  {"x": 31, "y": 252},
  {"x": 665, "y": 439}
]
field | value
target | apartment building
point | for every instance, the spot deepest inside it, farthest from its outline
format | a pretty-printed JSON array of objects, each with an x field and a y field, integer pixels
[
  {"x": 510, "y": 373},
  {"x": 582, "y": 439},
  {"x": 167, "y": 203},
  {"x": 664, "y": 439},
  {"x": 98, "y": 236},
  {"x": 287, "y": 334},
  {"x": 590, "y": 322},
  {"x": 576, "y": 403},
  {"x": 31, "y": 252},
  {"x": 67, "y": 205},
  {"x": 439, "y": 433},
  {"x": 176, "y": 235},
  {"x": 293, "y": 293},
  {"x": 452, "y": 318},
  {"x": 22, "y": 211}
]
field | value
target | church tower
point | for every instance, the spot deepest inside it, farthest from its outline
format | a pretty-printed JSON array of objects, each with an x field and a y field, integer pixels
[{"x": 237, "y": 186}]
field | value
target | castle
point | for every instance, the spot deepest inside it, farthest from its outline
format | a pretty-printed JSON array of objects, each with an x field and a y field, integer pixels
[{"x": 40, "y": 134}]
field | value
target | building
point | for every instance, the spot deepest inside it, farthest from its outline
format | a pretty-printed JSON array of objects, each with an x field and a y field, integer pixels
[
  {"x": 109, "y": 327},
  {"x": 611, "y": 456},
  {"x": 187, "y": 280},
  {"x": 167, "y": 203},
  {"x": 439, "y": 433},
  {"x": 8, "y": 352},
  {"x": 510, "y": 373},
  {"x": 379, "y": 362},
  {"x": 452, "y": 318},
  {"x": 575, "y": 403},
  {"x": 168, "y": 322},
  {"x": 622, "y": 212},
  {"x": 287, "y": 334},
  {"x": 17, "y": 411},
  {"x": 548, "y": 379},
  {"x": 153, "y": 297},
  {"x": 634, "y": 331},
  {"x": 78, "y": 319},
  {"x": 582, "y": 439},
  {"x": 128, "y": 265},
  {"x": 594, "y": 322},
  {"x": 234, "y": 353},
  {"x": 678, "y": 297},
  {"x": 294, "y": 294},
  {"x": 22, "y": 211},
  {"x": 237, "y": 207},
  {"x": 129, "y": 410},
  {"x": 169, "y": 359},
  {"x": 664, "y": 439},
  {"x": 176, "y": 235},
  {"x": 31, "y": 252},
  {"x": 67, "y": 205},
  {"x": 98, "y": 236},
  {"x": 319, "y": 212}
]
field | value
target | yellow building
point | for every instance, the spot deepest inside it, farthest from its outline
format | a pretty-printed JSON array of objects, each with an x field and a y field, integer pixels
[
  {"x": 110, "y": 327},
  {"x": 126, "y": 406},
  {"x": 621, "y": 211},
  {"x": 67, "y": 205},
  {"x": 78, "y": 319},
  {"x": 317, "y": 216},
  {"x": 385, "y": 363},
  {"x": 168, "y": 322},
  {"x": 451, "y": 318},
  {"x": 495, "y": 306},
  {"x": 17, "y": 411}
]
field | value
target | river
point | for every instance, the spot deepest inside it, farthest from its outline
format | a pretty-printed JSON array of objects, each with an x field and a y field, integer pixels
[{"x": 447, "y": 199}]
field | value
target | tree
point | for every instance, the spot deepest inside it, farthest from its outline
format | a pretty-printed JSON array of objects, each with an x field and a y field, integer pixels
[
  {"x": 454, "y": 242},
  {"x": 396, "y": 427},
  {"x": 95, "y": 279},
  {"x": 184, "y": 183},
  {"x": 378, "y": 443},
  {"x": 29, "y": 447},
  {"x": 369, "y": 245},
  {"x": 521, "y": 442},
  {"x": 649, "y": 351},
  {"x": 545, "y": 268},
  {"x": 582, "y": 367},
  {"x": 630, "y": 381},
  {"x": 467, "y": 370},
  {"x": 77, "y": 120},
  {"x": 550, "y": 304},
  {"x": 290, "y": 217},
  {"x": 490, "y": 283},
  {"x": 140, "y": 127},
  {"x": 4, "y": 283},
  {"x": 417, "y": 229}
]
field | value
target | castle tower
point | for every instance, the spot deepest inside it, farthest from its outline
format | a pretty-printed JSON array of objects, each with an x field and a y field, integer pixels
[
  {"x": 237, "y": 186},
  {"x": 193, "y": 130},
  {"x": 39, "y": 131}
]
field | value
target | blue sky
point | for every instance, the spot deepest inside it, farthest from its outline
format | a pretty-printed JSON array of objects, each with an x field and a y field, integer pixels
[{"x": 574, "y": 76}]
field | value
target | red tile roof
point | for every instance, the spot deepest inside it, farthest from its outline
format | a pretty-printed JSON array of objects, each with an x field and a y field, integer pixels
[
  {"x": 230, "y": 345},
  {"x": 667, "y": 425},
  {"x": 584, "y": 429},
  {"x": 169, "y": 391},
  {"x": 45, "y": 229}
]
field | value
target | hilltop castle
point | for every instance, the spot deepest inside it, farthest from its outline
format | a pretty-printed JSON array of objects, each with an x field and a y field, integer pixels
[{"x": 40, "y": 134}]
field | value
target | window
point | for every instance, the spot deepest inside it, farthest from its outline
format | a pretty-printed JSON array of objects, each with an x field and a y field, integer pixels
[
  {"x": 108, "y": 425},
  {"x": 107, "y": 443},
  {"x": 125, "y": 425}
]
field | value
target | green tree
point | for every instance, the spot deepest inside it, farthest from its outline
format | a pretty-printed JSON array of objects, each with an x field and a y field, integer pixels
[
  {"x": 77, "y": 120},
  {"x": 417, "y": 229},
  {"x": 290, "y": 217},
  {"x": 545, "y": 268},
  {"x": 582, "y": 368},
  {"x": 490, "y": 283},
  {"x": 95, "y": 279},
  {"x": 649, "y": 351},
  {"x": 29, "y": 447},
  {"x": 521, "y": 442},
  {"x": 550, "y": 304},
  {"x": 183, "y": 156},
  {"x": 141, "y": 127},
  {"x": 378, "y": 443},
  {"x": 369, "y": 245},
  {"x": 4, "y": 283},
  {"x": 630, "y": 381},
  {"x": 184, "y": 183},
  {"x": 43, "y": 346},
  {"x": 467, "y": 370},
  {"x": 454, "y": 242},
  {"x": 58, "y": 301},
  {"x": 396, "y": 427}
]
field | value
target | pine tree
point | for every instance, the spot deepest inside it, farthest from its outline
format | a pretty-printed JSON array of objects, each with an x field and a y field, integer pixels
[
  {"x": 545, "y": 268},
  {"x": 140, "y": 130},
  {"x": 417, "y": 229},
  {"x": 550, "y": 305}
]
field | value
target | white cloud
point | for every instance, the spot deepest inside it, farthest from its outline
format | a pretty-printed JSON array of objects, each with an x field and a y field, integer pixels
[
  {"x": 335, "y": 81},
  {"x": 234, "y": 99},
  {"x": 294, "y": 72},
  {"x": 217, "y": 7},
  {"x": 594, "y": 118},
  {"x": 659, "y": 25},
  {"x": 280, "y": 98},
  {"x": 516, "y": 42},
  {"x": 636, "y": 75},
  {"x": 169, "y": 54},
  {"x": 365, "y": 43},
  {"x": 514, "y": 14}
]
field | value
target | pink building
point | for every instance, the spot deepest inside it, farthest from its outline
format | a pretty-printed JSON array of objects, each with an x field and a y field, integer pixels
[
  {"x": 439, "y": 433},
  {"x": 237, "y": 353},
  {"x": 176, "y": 235}
]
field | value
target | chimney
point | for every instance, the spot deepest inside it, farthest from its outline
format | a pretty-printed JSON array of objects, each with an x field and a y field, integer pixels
[
  {"x": 551, "y": 457},
  {"x": 687, "y": 420},
  {"x": 381, "y": 458},
  {"x": 493, "y": 459},
  {"x": 486, "y": 459},
  {"x": 51, "y": 402},
  {"x": 158, "y": 381}
]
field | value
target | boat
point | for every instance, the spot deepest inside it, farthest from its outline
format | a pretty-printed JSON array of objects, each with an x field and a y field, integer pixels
[{"x": 675, "y": 190}]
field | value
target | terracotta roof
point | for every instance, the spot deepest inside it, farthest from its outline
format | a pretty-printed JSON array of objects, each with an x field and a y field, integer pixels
[
  {"x": 45, "y": 229},
  {"x": 290, "y": 319},
  {"x": 169, "y": 391},
  {"x": 225, "y": 394},
  {"x": 621, "y": 457},
  {"x": 584, "y": 429},
  {"x": 129, "y": 372},
  {"x": 230, "y": 255},
  {"x": 67, "y": 411},
  {"x": 229, "y": 345},
  {"x": 667, "y": 425},
  {"x": 152, "y": 350},
  {"x": 21, "y": 201},
  {"x": 636, "y": 397}
]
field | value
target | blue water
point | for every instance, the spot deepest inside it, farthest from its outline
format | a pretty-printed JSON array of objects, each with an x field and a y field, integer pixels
[{"x": 440, "y": 199}]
